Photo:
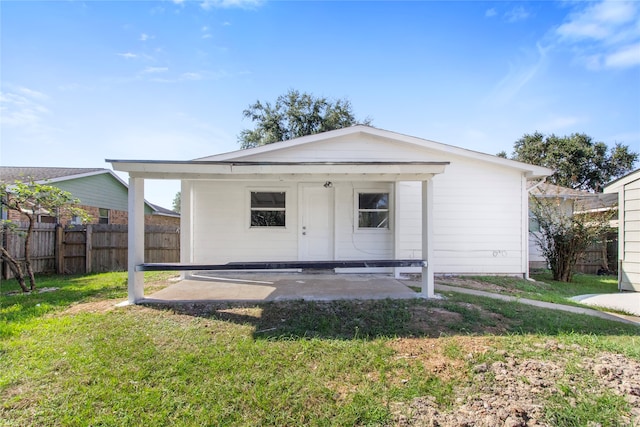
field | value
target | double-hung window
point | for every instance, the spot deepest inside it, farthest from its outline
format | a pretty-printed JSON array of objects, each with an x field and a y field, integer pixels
[
  {"x": 103, "y": 216},
  {"x": 268, "y": 209},
  {"x": 373, "y": 210}
]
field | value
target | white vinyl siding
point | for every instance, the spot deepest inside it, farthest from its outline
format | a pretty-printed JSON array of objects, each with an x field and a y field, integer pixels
[
  {"x": 475, "y": 230},
  {"x": 630, "y": 265},
  {"x": 351, "y": 242},
  {"x": 345, "y": 149},
  {"x": 221, "y": 231},
  {"x": 479, "y": 215}
]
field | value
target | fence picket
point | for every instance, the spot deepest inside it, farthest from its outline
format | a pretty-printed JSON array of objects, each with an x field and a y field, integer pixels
[{"x": 89, "y": 249}]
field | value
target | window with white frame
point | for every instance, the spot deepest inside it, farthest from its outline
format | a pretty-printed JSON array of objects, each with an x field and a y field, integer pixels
[
  {"x": 373, "y": 210},
  {"x": 268, "y": 209}
]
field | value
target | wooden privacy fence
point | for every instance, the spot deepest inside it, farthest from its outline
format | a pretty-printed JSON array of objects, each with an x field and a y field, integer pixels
[
  {"x": 599, "y": 255},
  {"x": 93, "y": 248}
]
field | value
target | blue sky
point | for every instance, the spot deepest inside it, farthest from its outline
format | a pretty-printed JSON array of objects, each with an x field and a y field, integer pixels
[{"x": 83, "y": 81}]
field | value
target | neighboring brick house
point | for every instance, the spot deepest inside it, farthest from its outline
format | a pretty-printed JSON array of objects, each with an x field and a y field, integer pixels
[{"x": 100, "y": 191}]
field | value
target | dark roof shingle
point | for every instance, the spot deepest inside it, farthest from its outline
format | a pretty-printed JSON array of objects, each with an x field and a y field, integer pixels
[{"x": 10, "y": 174}]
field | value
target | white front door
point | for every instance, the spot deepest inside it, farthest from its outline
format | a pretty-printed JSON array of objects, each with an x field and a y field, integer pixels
[{"x": 316, "y": 222}]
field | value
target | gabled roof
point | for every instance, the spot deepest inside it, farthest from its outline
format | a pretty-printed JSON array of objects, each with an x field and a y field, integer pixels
[
  {"x": 614, "y": 186},
  {"x": 532, "y": 171},
  {"x": 552, "y": 190},
  {"x": 48, "y": 175}
]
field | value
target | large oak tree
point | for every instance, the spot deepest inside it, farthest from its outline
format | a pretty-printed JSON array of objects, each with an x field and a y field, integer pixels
[
  {"x": 293, "y": 115},
  {"x": 579, "y": 162}
]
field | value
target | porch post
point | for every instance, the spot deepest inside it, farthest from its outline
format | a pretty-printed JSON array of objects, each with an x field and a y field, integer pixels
[
  {"x": 396, "y": 226},
  {"x": 428, "y": 287},
  {"x": 136, "y": 239},
  {"x": 186, "y": 225}
]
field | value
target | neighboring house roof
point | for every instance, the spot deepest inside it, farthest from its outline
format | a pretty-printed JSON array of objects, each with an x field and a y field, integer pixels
[
  {"x": 13, "y": 173},
  {"x": 532, "y": 171},
  {"x": 159, "y": 210},
  {"x": 552, "y": 190},
  {"x": 48, "y": 175},
  {"x": 588, "y": 201}
]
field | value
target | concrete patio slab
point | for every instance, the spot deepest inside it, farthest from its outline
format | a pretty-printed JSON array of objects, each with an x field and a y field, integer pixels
[
  {"x": 260, "y": 287},
  {"x": 626, "y": 301}
]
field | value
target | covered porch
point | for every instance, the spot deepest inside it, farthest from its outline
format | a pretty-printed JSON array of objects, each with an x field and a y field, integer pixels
[{"x": 301, "y": 173}]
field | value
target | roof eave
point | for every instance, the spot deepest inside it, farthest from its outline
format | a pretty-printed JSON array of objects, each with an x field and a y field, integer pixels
[{"x": 531, "y": 171}]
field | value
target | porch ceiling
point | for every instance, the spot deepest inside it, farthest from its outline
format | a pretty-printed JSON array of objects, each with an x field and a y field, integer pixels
[{"x": 279, "y": 171}]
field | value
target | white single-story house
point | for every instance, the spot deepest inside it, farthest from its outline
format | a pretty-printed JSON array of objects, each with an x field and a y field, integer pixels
[
  {"x": 628, "y": 189},
  {"x": 358, "y": 193}
]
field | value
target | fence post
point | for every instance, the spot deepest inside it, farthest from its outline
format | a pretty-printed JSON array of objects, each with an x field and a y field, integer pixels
[
  {"x": 59, "y": 249},
  {"x": 88, "y": 248},
  {"x": 4, "y": 268}
]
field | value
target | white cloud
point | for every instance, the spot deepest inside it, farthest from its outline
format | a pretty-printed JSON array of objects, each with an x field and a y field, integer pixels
[
  {"x": 626, "y": 56},
  {"x": 605, "y": 34},
  {"x": 70, "y": 87},
  {"x": 205, "y": 32},
  {"x": 191, "y": 76},
  {"x": 599, "y": 21},
  {"x": 128, "y": 55},
  {"x": 155, "y": 70},
  {"x": 30, "y": 93},
  {"x": 227, "y": 4},
  {"x": 559, "y": 123},
  {"x": 516, "y": 14},
  {"x": 144, "y": 37},
  {"x": 24, "y": 116},
  {"x": 518, "y": 77},
  {"x": 22, "y": 107},
  {"x": 490, "y": 13}
]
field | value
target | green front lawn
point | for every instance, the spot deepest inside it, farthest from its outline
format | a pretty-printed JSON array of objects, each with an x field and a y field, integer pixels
[
  {"x": 542, "y": 289},
  {"x": 69, "y": 358}
]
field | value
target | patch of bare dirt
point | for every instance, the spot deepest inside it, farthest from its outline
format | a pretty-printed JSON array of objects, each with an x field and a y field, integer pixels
[
  {"x": 93, "y": 307},
  {"x": 437, "y": 321},
  {"x": 512, "y": 392},
  {"x": 470, "y": 284},
  {"x": 431, "y": 353},
  {"x": 425, "y": 319}
]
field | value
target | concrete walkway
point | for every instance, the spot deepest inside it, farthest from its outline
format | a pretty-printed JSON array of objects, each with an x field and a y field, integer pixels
[{"x": 634, "y": 320}]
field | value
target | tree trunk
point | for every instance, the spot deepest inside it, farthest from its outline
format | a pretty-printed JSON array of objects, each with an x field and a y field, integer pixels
[
  {"x": 27, "y": 252},
  {"x": 565, "y": 260},
  {"x": 604, "y": 253},
  {"x": 15, "y": 267}
]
